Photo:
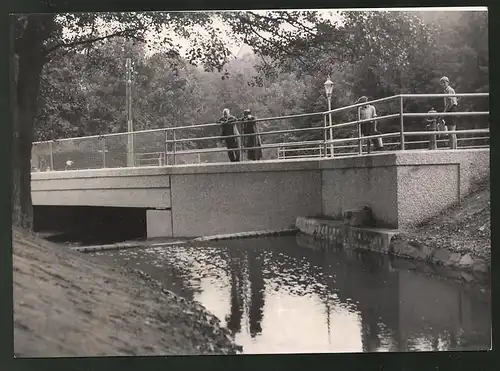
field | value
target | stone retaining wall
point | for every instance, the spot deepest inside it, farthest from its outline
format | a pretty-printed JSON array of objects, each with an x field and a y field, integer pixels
[{"x": 391, "y": 242}]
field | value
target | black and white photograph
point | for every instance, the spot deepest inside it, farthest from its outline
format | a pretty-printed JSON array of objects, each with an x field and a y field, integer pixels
[{"x": 241, "y": 182}]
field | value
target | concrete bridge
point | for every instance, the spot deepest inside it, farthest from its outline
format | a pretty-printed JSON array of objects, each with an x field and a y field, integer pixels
[{"x": 402, "y": 188}]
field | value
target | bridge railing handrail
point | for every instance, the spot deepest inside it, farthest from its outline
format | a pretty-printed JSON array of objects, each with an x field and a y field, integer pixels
[
  {"x": 301, "y": 115},
  {"x": 298, "y": 146},
  {"x": 170, "y": 132}
]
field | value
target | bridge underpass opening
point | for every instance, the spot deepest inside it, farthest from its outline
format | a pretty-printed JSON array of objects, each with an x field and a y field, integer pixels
[{"x": 90, "y": 224}]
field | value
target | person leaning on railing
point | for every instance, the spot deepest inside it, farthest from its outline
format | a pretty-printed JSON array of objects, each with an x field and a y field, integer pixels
[
  {"x": 229, "y": 130},
  {"x": 450, "y": 105},
  {"x": 369, "y": 128},
  {"x": 249, "y": 126}
]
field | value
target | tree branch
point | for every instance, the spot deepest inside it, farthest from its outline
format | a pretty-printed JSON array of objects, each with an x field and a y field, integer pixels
[{"x": 125, "y": 33}]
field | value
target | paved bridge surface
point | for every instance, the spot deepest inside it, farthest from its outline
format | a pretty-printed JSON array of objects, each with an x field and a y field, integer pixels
[{"x": 402, "y": 188}]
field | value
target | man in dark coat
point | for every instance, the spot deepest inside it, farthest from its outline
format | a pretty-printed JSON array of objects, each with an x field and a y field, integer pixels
[
  {"x": 249, "y": 126},
  {"x": 229, "y": 129}
]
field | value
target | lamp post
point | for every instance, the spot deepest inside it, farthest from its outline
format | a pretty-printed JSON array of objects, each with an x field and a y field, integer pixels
[{"x": 328, "y": 91}]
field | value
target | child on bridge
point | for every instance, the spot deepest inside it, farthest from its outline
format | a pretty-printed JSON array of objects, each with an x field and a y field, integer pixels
[
  {"x": 450, "y": 105},
  {"x": 369, "y": 128}
]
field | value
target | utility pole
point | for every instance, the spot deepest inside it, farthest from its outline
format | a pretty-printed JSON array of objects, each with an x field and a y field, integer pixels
[{"x": 130, "y": 124}]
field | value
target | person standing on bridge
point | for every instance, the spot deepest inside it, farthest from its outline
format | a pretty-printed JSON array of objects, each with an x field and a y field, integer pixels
[
  {"x": 369, "y": 128},
  {"x": 251, "y": 142},
  {"x": 231, "y": 134},
  {"x": 432, "y": 126},
  {"x": 435, "y": 123},
  {"x": 450, "y": 105}
]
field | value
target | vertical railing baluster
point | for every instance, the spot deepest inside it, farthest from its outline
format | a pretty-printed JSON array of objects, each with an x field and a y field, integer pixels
[
  {"x": 165, "y": 154},
  {"x": 401, "y": 123},
  {"x": 325, "y": 145},
  {"x": 103, "y": 151},
  {"x": 51, "y": 153},
  {"x": 360, "y": 133},
  {"x": 174, "y": 143}
]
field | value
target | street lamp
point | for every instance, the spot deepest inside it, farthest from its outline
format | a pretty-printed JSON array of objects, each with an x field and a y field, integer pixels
[{"x": 328, "y": 91}]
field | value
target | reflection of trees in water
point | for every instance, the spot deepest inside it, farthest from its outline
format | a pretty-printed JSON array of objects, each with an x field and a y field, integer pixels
[
  {"x": 361, "y": 280},
  {"x": 358, "y": 276},
  {"x": 238, "y": 260},
  {"x": 367, "y": 279},
  {"x": 257, "y": 287},
  {"x": 372, "y": 311},
  {"x": 291, "y": 271},
  {"x": 235, "y": 265}
]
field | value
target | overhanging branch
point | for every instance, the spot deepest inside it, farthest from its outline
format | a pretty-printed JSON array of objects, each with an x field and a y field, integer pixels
[{"x": 73, "y": 44}]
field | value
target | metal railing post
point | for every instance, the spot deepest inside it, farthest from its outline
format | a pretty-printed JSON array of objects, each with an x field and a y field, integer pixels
[
  {"x": 432, "y": 138},
  {"x": 51, "y": 153},
  {"x": 330, "y": 124},
  {"x": 104, "y": 152},
  {"x": 360, "y": 134},
  {"x": 401, "y": 124},
  {"x": 173, "y": 146},
  {"x": 325, "y": 146},
  {"x": 130, "y": 149},
  {"x": 165, "y": 154}
]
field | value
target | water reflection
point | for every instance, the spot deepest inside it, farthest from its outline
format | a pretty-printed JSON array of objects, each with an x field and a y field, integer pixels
[{"x": 279, "y": 295}]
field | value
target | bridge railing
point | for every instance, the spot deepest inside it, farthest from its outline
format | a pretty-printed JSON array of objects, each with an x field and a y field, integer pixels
[{"x": 280, "y": 136}]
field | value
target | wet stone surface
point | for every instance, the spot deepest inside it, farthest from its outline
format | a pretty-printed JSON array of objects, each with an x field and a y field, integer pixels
[{"x": 441, "y": 256}]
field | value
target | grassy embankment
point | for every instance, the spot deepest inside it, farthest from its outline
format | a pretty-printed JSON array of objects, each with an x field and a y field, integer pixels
[{"x": 69, "y": 304}]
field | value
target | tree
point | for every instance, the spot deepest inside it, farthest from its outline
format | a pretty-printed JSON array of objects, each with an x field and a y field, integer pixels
[
  {"x": 61, "y": 101},
  {"x": 35, "y": 40}
]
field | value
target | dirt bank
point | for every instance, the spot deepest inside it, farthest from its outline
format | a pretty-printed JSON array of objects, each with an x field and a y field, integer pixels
[
  {"x": 68, "y": 304},
  {"x": 460, "y": 236},
  {"x": 464, "y": 228}
]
